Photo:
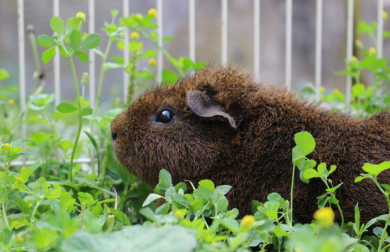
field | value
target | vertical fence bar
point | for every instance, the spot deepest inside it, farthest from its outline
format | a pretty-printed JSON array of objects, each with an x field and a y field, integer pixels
[
  {"x": 22, "y": 64},
  {"x": 91, "y": 28},
  {"x": 288, "y": 42},
  {"x": 349, "y": 48},
  {"x": 126, "y": 54},
  {"x": 56, "y": 62},
  {"x": 379, "y": 35},
  {"x": 318, "y": 48},
  {"x": 224, "y": 23},
  {"x": 256, "y": 37},
  {"x": 160, "y": 37},
  {"x": 192, "y": 29}
]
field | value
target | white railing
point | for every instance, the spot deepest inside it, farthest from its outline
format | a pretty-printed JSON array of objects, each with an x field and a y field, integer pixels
[{"x": 224, "y": 44}]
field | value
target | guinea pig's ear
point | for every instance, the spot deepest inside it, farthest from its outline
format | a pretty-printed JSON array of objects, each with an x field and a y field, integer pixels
[{"x": 204, "y": 107}]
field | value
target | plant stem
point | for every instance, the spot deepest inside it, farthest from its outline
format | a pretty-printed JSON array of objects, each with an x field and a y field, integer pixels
[
  {"x": 3, "y": 206},
  {"x": 388, "y": 217},
  {"x": 36, "y": 59},
  {"x": 291, "y": 196},
  {"x": 265, "y": 242},
  {"x": 101, "y": 79},
  {"x": 104, "y": 162},
  {"x": 35, "y": 208},
  {"x": 80, "y": 119}
]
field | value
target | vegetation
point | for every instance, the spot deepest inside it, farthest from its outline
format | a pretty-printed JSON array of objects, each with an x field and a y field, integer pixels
[{"x": 57, "y": 204}]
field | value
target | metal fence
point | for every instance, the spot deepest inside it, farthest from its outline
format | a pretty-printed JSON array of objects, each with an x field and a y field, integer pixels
[{"x": 192, "y": 54}]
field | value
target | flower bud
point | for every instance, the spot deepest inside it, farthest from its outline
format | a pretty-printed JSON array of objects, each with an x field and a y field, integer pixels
[
  {"x": 372, "y": 51},
  {"x": 247, "y": 221},
  {"x": 5, "y": 147},
  {"x": 134, "y": 35},
  {"x": 152, "y": 62},
  {"x": 325, "y": 216},
  {"x": 153, "y": 12},
  {"x": 84, "y": 79},
  {"x": 81, "y": 16}
]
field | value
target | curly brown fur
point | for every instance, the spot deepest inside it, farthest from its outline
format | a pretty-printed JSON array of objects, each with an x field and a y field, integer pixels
[{"x": 254, "y": 155}]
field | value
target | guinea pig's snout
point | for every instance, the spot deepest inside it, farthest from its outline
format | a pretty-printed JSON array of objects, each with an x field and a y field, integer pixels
[{"x": 117, "y": 126}]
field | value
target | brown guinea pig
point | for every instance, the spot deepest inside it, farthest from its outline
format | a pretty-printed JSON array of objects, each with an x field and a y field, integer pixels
[{"x": 222, "y": 125}]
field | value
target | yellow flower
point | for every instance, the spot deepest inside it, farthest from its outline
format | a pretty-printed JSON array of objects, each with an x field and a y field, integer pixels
[
  {"x": 153, "y": 12},
  {"x": 325, "y": 216},
  {"x": 152, "y": 62},
  {"x": 19, "y": 180},
  {"x": 384, "y": 14},
  {"x": 81, "y": 16},
  {"x": 5, "y": 147},
  {"x": 372, "y": 51},
  {"x": 30, "y": 205},
  {"x": 354, "y": 59},
  {"x": 247, "y": 221},
  {"x": 18, "y": 238},
  {"x": 336, "y": 91},
  {"x": 139, "y": 16},
  {"x": 22, "y": 169},
  {"x": 134, "y": 35},
  {"x": 214, "y": 245},
  {"x": 11, "y": 102},
  {"x": 322, "y": 89},
  {"x": 298, "y": 250},
  {"x": 111, "y": 216}
]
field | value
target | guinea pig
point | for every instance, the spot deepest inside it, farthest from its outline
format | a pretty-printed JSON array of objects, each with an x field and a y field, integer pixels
[{"x": 223, "y": 125}]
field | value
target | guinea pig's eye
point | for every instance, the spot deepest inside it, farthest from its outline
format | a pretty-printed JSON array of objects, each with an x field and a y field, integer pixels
[{"x": 165, "y": 116}]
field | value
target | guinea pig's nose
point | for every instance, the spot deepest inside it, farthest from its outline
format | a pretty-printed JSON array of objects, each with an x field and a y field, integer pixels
[{"x": 114, "y": 135}]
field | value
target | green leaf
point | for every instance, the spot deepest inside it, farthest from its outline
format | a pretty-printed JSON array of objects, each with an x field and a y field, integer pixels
[
  {"x": 152, "y": 197},
  {"x": 333, "y": 189},
  {"x": 71, "y": 24},
  {"x": 66, "y": 144},
  {"x": 169, "y": 77},
  {"x": 357, "y": 219},
  {"x": 91, "y": 41},
  {"x": 83, "y": 56},
  {"x": 208, "y": 184},
  {"x": 16, "y": 143},
  {"x": 322, "y": 169},
  {"x": 165, "y": 177},
  {"x": 3, "y": 74},
  {"x": 305, "y": 142},
  {"x": 311, "y": 173},
  {"x": 182, "y": 186},
  {"x": 279, "y": 231},
  {"x": 386, "y": 186},
  {"x": 57, "y": 25},
  {"x": 332, "y": 169},
  {"x": 86, "y": 111},
  {"x": 48, "y": 54},
  {"x": 66, "y": 108},
  {"x": 25, "y": 174},
  {"x": 46, "y": 41},
  {"x": 358, "y": 90},
  {"x": 196, "y": 205},
  {"x": 75, "y": 39},
  {"x": 163, "y": 209},
  {"x": 223, "y": 189},
  {"x": 135, "y": 239},
  {"x": 360, "y": 178}
]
